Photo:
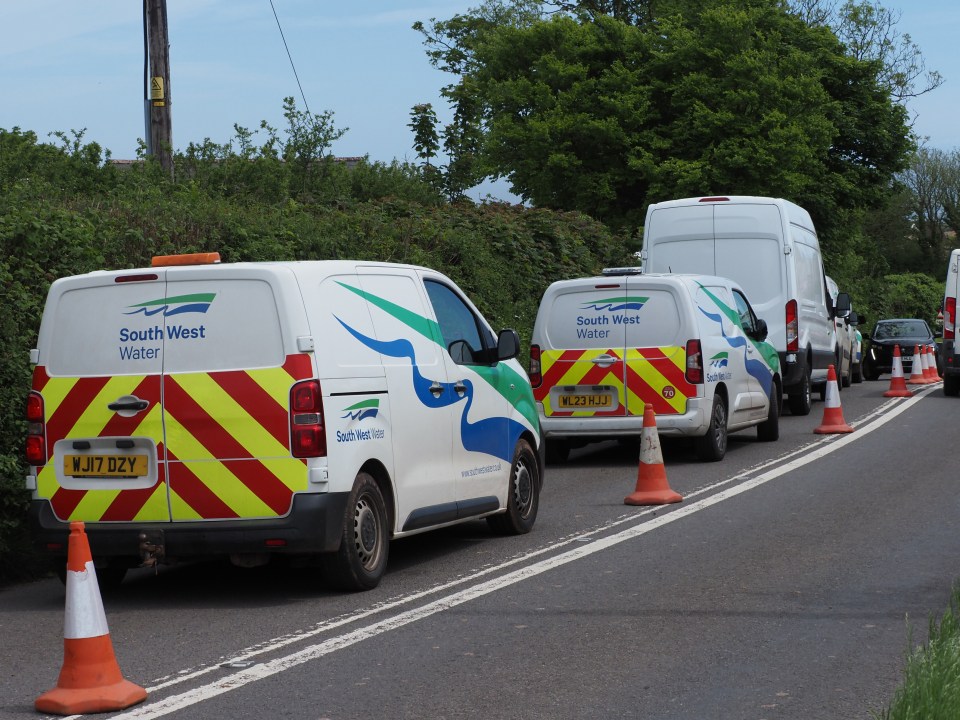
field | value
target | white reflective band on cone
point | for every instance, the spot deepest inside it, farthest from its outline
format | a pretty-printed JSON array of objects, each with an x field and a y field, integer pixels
[{"x": 84, "y": 616}]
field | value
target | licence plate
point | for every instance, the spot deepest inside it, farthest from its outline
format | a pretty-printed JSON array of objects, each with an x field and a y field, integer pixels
[
  {"x": 120, "y": 466},
  {"x": 582, "y": 402}
]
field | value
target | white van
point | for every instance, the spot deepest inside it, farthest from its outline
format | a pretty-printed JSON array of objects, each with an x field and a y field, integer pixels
[
  {"x": 949, "y": 352},
  {"x": 843, "y": 337},
  {"x": 770, "y": 247},
  {"x": 690, "y": 345},
  {"x": 253, "y": 409}
]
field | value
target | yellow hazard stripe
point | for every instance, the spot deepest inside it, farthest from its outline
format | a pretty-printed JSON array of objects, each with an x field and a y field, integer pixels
[
  {"x": 275, "y": 382},
  {"x": 243, "y": 427}
]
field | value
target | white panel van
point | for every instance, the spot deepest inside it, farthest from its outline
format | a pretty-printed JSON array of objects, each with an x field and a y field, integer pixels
[
  {"x": 949, "y": 352},
  {"x": 770, "y": 247},
  {"x": 194, "y": 408}
]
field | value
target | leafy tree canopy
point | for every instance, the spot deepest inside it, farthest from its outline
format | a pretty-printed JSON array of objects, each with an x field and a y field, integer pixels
[{"x": 589, "y": 112}]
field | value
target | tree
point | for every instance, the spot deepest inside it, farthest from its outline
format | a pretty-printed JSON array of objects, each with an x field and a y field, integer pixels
[
  {"x": 423, "y": 122},
  {"x": 591, "y": 113}
]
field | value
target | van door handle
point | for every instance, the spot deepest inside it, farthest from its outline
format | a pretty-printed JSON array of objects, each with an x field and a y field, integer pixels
[
  {"x": 460, "y": 388},
  {"x": 604, "y": 359},
  {"x": 436, "y": 389},
  {"x": 129, "y": 403}
]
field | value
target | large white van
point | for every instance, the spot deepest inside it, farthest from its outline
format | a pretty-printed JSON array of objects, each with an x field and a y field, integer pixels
[
  {"x": 949, "y": 352},
  {"x": 318, "y": 408},
  {"x": 689, "y": 345},
  {"x": 770, "y": 247}
]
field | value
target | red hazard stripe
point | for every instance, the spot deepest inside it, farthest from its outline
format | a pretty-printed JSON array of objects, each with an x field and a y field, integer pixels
[
  {"x": 65, "y": 417},
  {"x": 194, "y": 492},
  {"x": 256, "y": 402},
  {"x": 222, "y": 445},
  {"x": 40, "y": 378},
  {"x": 129, "y": 502},
  {"x": 648, "y": 394},
  {"x": 298, "y": 367},
  {"x": 64, "y": 502},
  {"x": 555, "y": 374}
]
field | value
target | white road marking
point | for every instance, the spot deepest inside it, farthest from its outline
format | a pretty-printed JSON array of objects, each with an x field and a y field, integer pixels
[{"x": 781, "y": 466}]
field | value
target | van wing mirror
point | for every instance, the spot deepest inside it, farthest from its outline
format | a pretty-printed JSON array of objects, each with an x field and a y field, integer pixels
[
  {"x": 508, "y": 344},
  {"x": 842, "y": 306},
  {"x": 760, "y": 332}
]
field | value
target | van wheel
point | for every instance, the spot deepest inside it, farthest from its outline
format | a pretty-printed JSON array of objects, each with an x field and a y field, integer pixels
[
  {"x": 951, "y": 385},
  {"x": 857, "y": 373},
  {"x": 365, "y": 541},
  {"x": 523, "y": 495},
  {"x": 769, "y": 429},
  {"x": 713, "y": 446},
  {"x": 801, "y": 400}
]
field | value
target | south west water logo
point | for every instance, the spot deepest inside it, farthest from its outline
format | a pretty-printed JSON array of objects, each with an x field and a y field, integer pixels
[
  {"x": 195, "y": 303},
  {"x": 720, "y": 361},
  {"x": 615, "y": 304},
  {"x": 362, "y": 410}
]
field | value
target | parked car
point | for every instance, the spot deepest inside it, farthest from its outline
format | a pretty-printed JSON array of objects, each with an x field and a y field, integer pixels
[
  {"x": 843, "y": 340},
  {"x": 888, "y": 333},
  {"x": 856, "y": 320}
]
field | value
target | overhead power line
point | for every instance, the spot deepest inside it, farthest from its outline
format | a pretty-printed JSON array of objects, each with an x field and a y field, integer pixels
[{"x": 294, "y": 67}]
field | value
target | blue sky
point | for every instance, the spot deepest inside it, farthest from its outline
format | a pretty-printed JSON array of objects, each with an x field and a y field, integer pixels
[{"x": 79, "y": 65}]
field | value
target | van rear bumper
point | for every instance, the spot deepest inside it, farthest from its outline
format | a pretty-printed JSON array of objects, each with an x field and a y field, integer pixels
[
  {"x": 313, "y": 525},
  {"x": 694, "y": 422}
]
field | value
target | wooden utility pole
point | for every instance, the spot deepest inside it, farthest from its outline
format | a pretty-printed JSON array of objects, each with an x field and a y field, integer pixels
[{"x": 160, "y": 141}]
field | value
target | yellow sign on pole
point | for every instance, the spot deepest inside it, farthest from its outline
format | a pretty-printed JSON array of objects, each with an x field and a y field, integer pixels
[{"x": 156, "y": 88}]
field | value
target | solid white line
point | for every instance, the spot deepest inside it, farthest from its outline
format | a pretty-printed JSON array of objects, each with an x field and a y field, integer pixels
[{"x": 239, "y": 679}]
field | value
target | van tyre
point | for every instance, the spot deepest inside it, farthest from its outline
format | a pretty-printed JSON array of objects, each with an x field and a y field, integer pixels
[
  {"x": 365, "y": 541},
  {"x": 801, "y": 399},
  {"x": 713, "y": 446},
  {"x": 951, "y": 385},
  {"x": 523, "y": 495},
  {"x": 769, "y": 429}
]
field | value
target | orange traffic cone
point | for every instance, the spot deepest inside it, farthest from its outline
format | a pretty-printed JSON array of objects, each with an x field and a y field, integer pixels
[
  {"x": 930, "y": 368},
  {"x": 916, "y": 369},
  {"x": 90, "y": 679},
  {"x": 652, "y": 487},
  {"x": 898, "y": 384},
  {"x": 833, "y": 421}
]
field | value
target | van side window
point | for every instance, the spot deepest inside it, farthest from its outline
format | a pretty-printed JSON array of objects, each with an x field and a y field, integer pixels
[
  {"x": 747, "y": 319},
  {"x": 467, "y": 340}
]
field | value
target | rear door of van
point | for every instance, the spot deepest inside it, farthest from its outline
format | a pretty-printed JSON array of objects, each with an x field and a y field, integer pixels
[
  {"x": 583, "y": 349},
  {"x": 226, "y": 388}
]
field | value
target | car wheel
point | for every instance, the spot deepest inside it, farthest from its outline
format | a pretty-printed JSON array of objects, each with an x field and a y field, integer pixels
[
  {"x": 365, "y": 541},
  {"x": 951, "y": 385},
  {"x": 857, "y": 374},
  {"x": 523, "y": 495},
  {"x": 869, "y": 372},
  {"x": 769, "y": 429},
  {"x": 713, "y": 446},
  {"x": 801, "y": 400},
  {"x": 847, "y": 377}
]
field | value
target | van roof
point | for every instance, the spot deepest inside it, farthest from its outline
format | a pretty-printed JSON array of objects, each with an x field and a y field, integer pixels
[{"x": 796, "y": 213}]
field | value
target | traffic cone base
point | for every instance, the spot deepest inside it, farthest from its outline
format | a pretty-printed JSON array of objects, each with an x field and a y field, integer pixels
[
  {"x": 652, "y": 487},
  {"x": 898, "y": 384},
  {"x": 916, "y": 369},
  {"x": 833, "y": 421},
  {"x": 90, "y": 679}
]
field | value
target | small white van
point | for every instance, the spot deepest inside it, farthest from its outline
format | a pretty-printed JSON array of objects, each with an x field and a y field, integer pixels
[
  {"x": 770, "y": 247},
  {"x": 317, "y": 409},
  {"x": 690, "y": 345},
  {"x": 843, "y": 336}
]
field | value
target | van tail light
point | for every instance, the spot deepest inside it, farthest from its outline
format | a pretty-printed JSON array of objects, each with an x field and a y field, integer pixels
[
  {"x": 308, "y": 437},
  {"x": 36, "y": 445},
  {"x": 536, "y": 376},
  {"x": 950, "y": 319},
  {"x": 792, "y": 327},
  {"x": 694, "y": 373}
]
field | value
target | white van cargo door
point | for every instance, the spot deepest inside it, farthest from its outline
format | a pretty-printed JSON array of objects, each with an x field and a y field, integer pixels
[
  {"x": 102, "y": 354},
  {"x": 680, "y": 239},
  {"x": 582, "y": 356},
  {"x": 226, "y": 390}
]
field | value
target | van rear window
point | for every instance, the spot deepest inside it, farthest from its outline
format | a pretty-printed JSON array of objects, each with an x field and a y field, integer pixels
[{"x": 599, "y": 319}]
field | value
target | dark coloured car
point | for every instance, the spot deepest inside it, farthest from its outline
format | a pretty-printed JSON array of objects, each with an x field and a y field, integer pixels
[{"x": 878, "y": 345}]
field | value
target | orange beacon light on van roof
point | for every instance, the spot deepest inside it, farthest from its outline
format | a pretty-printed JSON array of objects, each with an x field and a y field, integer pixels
[{"x": 207, "y": 258}]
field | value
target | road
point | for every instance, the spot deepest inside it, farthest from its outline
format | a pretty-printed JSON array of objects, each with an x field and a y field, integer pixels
[{"x": 786, "y": 585}]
